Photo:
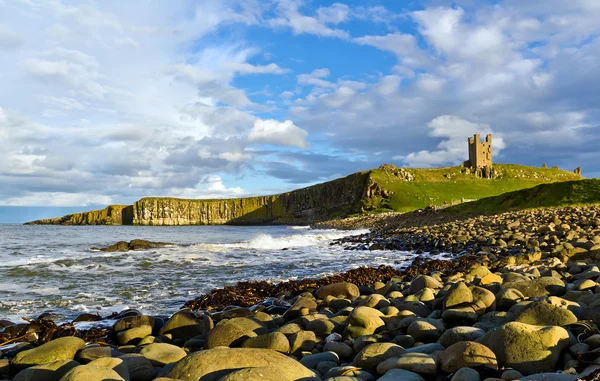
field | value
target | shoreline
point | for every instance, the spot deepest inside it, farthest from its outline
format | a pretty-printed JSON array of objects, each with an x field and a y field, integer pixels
[{"x": 510, "y": 275}]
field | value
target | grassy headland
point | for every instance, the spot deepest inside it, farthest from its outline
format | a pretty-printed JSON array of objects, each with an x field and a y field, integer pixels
[{"x": 387, "y": 188}]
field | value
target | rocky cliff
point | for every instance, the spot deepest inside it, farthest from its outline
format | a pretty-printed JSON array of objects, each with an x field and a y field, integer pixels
[
  {"x": 387, "y": 188},
  {"x": 328, "y": 200},
  {"x": 332, "y": 199},
  {"x": 111, "y": 215}
]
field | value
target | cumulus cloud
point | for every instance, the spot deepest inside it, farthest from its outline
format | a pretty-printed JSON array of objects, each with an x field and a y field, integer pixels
[
  {"x": 246, "y": 68},
  {"x": 315, "y": 78},
  {"x": 128, "y": 100},
  {"x": 209, "y": 187},
  {"x": 278, "y": 133},
  {"x": 290, "y": 16}
]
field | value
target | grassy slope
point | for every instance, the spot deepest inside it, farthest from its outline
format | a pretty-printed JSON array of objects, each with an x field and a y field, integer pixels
[
  {"x": 580, "y": 192},
  {"x": 452, "y": 184}
]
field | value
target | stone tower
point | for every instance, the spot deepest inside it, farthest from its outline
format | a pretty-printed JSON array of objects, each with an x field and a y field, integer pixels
[{"x": 480, "y": 153}]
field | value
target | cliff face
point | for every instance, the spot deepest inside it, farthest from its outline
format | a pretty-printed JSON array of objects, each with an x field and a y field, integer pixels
[
  {"x": 335, "y": 198},
  {"x": 385, "y": 189},
  {"x": 111, "y": 215}
]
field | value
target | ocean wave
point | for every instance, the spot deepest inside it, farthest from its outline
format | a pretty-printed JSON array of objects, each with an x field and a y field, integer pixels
[{"x": 293, "y": 227}]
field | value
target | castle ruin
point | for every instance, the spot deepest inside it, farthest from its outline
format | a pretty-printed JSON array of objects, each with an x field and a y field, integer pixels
[{"x": 480, "y": 153}]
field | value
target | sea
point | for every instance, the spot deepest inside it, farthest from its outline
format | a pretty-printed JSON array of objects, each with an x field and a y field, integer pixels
[{"x": 56, "y": 268}]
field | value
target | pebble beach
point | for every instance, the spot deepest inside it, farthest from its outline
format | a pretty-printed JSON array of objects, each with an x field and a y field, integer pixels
[{"x": 515, "y": 298}]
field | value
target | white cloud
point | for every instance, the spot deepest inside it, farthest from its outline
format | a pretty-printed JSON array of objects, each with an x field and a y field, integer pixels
[
  {"x": 335, "y": 14},
  {"x": 404, "y": 46},
  {"x": 290, "y": 16},
  {"x": 57, "y": 199},
  {"x": 430, "y": 83},
  {"x": 246, "y": 68},
  {"x": 315, "y": 78},
  {"x": 210, "y": 187},
  {"x": 278, "y": 133}
]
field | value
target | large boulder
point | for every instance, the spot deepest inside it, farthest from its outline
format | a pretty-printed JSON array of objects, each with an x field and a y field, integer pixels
[
  {"x": 233, "y": 332},
  {"x": 276, "y": 341},
  {"x": 139, "y": 367},
  {"x": 60, "y": 349},
  {"x": 112, "y": 363},
  {"x": 543, "y": 286},
  {"x": 467, "y": 354},
  {"x": 421, "y": 363},
  {"x": 263, "y": 373},
  {"x": 363, "y": 321},
  {"x": 161, "y": 354},
  {"x": 373, "y": 354},
  {"x": 186, "y": 324},
  {"x": 212, "y": 364},
  {"x": 458, "y": 294},
  {"x": 456, "y": 334},
  {"x": 46, "y": 372},
  {"x": 92, "y": 373},
  {"x": 543, "y": 313},
  {"x": 344, "y": 289},
  {"x": 400, "y": 374},
  {"x": 426, "y": 330},
  {"x": 527, "y": 348},
  {"x": 424, "y": 281}
]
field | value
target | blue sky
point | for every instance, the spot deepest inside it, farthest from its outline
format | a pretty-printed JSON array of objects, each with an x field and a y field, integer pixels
[{"x": 109, "y": 101}]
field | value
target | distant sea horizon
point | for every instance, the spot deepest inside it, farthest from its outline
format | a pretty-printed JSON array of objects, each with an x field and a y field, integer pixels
[{"x": 22, "y": 214}]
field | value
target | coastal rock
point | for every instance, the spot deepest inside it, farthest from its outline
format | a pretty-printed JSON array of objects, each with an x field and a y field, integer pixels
[
  {"x": 212, "y": 364},
  {"x": 457, "y": 334},
  {"x": 187, "y": 324},
  {"x": 302, "y": 341},
  {"x": 400, "y": 374},
  {"x": 466, "y": 374},
  {"x": 311, "y": 361},
  {"x": 91, "y": 353},
  {"x": 527, "y": 348},
  {"x": 133, "y": 322},
  {"x": 373, "y": 354},
  {"x": 136, "y": 244},
  {"x": 92, "y": 373},
  {"x": 276, "y": 341},
  {"x": 133, "y": 335},
  {"x": 415, "y": 362},
  {"x": 426, "y": 330},
  {"x": 543, "y": 313},
  {"x": 263, "y": 373},
  {"x": 458, "y": 294},
  {"x": 228, "y": 333},
  {"x": 363, "y": 321},
  {"x": 63, "y": 348},
  {"x": 467, "y": 354},
  {"x": 507, "y": 298},
  {"x": 538, "y": 287},
  {"x": 424, "y": 281},
  {"x": 46, "y": 372},
  {"x": 161, "y": 354},
  {"x": 139, "y": 367},
  {"x": 344, "y": 290},
  {"x": 115, "y": 364},
  {"x": 343, "y": 350}
]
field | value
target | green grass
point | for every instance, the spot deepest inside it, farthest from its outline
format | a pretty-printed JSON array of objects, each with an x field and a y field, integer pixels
[
  {"x": 453, "y": 185},
  {"x": 569, "y": 193}
]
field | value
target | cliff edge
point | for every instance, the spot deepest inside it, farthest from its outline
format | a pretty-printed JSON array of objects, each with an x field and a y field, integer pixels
[{"x": 387, "y": 188}]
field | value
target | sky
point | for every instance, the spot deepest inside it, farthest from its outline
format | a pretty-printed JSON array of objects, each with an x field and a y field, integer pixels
[{"x": 105, "y": 102}]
